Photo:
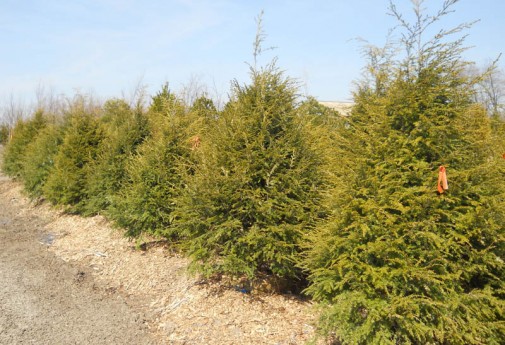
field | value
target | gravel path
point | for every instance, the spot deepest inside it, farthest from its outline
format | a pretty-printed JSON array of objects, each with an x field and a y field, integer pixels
[{"x": 44, "y": 300}]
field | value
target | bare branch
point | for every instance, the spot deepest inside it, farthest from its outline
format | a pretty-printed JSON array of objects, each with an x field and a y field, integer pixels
[{"x": 259, "y": 39}]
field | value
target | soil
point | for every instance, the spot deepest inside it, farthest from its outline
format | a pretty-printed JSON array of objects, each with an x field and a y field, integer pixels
[
  {"x": 45, "y": 300},
  {"x": 72, "y": 280}
]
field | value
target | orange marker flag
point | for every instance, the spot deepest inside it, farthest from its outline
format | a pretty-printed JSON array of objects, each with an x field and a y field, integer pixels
[{"x": 442, "y": 180}]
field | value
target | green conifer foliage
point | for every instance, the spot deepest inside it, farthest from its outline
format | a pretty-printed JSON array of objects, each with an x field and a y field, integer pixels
[
  {"x": 67, "y": 180},
  {"x": 38, "y": 159},
  {"x": 4, "y": 134},
  {"x": 146, "y": 200},
  {"x": 400, "y": 263},
  {"x": 124, "y": 129},
  {"x": 254, "y": 190},
  {"x": 23, "y": 133},
  {"x": 204, "y": 108}
]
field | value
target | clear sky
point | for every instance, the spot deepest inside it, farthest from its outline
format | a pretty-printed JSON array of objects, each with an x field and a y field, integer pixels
[{"x": 108, "y": 46}]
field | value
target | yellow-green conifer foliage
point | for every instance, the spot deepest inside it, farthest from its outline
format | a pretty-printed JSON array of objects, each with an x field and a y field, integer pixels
[
  {"x": 4, "y": 134},
  {"x": 124, "y": 128},
  {"x": 145, "y": 202},
  {"x": 254, "y": 190},
  {"x": 38, "y": 160},
  {"x": 67, "y": 180},
  {"x": 23, "y": 133},
  {"x": 398, "y": 262}
]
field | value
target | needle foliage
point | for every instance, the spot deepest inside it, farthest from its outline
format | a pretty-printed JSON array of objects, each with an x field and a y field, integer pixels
[
  {"x": 254, "y": 191},
  {"x": 398, "y": 262}
]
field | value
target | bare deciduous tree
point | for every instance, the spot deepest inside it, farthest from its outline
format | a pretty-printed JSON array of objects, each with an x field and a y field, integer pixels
[
  {"x": 13, "y": 111},
  {"x": 45, "y": 98},
  {"x": 489, "y": 87},
  {"x": 491, "y": 91},
  {"x": 193, "y": 90},
  {"x": 136, "y": 97}
]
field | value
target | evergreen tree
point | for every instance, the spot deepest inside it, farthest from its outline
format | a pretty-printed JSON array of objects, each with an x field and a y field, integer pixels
[
  {"x": 399, "y": 262},
  {"x": 319, "y": 113},
  {"x": 4, "y": 134},
  {"x": 145, "y": 202},
  {"x": 23, "y": 133},
  {"x": 38, "y": 160},
  {"x": 124, "y": 130},
  {"x": 204, "y": 107},
  {"x": 67, "y": 180},
  {"x": 254, "y": 189}
]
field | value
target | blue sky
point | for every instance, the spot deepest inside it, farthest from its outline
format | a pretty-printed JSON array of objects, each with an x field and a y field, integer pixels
[{"x": 107, "y": 47}]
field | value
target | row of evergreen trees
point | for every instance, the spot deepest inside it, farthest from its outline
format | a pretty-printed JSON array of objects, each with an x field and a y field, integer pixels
[{"x": 273, "y": 186}]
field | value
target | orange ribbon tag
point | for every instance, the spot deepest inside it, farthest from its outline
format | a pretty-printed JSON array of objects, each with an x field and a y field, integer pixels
[{"x": 442, "y": 180}]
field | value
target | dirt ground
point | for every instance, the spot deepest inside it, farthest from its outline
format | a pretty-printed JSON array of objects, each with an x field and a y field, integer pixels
[
  {"x": 45, "y": 300},
  {"x": 72, "y": 280}
]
